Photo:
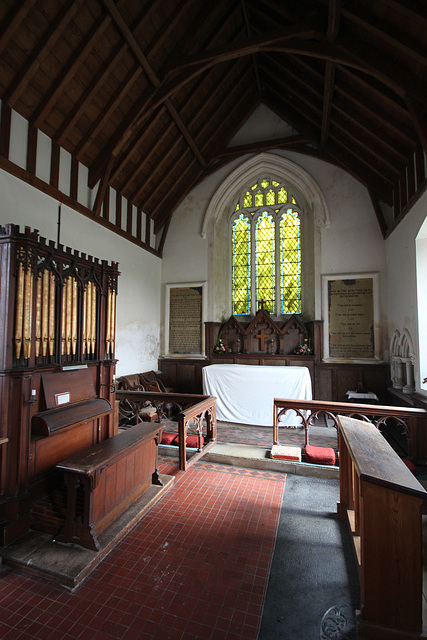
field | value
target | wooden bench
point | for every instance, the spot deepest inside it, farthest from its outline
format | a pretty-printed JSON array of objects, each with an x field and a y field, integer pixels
[
  {"x": 382, "y": 502},
  {"x": 104, "y": 480}
]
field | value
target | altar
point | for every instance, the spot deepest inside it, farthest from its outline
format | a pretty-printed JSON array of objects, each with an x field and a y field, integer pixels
[{"x": 245, "y": 393}]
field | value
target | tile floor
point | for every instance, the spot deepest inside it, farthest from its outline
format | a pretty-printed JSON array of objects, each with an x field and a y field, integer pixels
[{"x": 196, "y": 566}]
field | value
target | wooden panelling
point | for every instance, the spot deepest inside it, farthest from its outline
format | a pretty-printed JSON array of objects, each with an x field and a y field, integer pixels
[{"x": 330, "y": 381}]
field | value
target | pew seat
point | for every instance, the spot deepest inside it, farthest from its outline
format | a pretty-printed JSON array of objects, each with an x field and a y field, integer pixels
[{"x": 103, "y": 481}]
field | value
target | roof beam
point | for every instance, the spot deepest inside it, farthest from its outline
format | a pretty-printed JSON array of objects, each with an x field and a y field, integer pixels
[
  {"x": 107, "y": 111},
  {"x": 250, "y": 46},
  {"x": 365, "y": 172},
  {"x": 384, "y": 33},
  {"x": 264, "y": 145},
  {"x": 37, "y": 57},
  {"x": 140, "y": 113},
  {"x": 119, "y": 167},
  {"x": 14, "y": 18},
  {"x": 169, "y": 87},
  {"x": 249, "y": 33},
  {"x": 140, "y": 169},
  {"x": 419, "y": 120},
  {"x": 151, "y": 75},
  {"x": 328, "y": 90},
  {"x": 89, "y": 94},
  {"x": 349, "y": 52},
  {"x": 359, "y": 112},
  {"x": 199, "y": 113},
  {"x": 68, "y": 73},
  {"x": 92, "y": 90}
]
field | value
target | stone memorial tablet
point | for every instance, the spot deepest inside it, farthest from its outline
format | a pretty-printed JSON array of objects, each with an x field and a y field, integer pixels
[
  {"x": 185, "y": 320},
  {"x": 351, "y": 318}
]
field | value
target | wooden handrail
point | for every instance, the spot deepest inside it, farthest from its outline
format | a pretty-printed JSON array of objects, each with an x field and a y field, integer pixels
[
  {"x": 200, "y": 408},
  {"x": 382, "y": 503},
  {"x": 413, "y": 420}
]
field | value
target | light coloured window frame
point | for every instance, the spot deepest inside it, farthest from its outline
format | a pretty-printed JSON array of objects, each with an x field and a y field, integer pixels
[{"x": 254, "y": 213}]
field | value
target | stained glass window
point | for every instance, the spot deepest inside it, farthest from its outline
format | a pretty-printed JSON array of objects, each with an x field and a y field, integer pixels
[
  {"x": 264, "y": 261},
  {"x": 241, "y": 265},
  {"x": 290, "y": 262},
  {"x": 266, "y": 250}
]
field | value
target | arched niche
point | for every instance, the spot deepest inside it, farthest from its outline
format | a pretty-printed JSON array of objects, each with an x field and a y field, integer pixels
[{"x": 220, "y": 208}]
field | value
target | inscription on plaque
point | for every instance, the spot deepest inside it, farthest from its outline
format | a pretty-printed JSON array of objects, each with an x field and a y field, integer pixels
[
  {"x": 351, "y": 318},
  {"x": 185, "y": 320}
]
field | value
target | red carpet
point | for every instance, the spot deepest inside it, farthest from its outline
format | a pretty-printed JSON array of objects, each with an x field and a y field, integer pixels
[{"x": 196, "y": 566}]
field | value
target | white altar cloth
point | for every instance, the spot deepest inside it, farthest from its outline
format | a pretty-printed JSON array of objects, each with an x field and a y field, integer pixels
[{"x": 245, "y": 393}]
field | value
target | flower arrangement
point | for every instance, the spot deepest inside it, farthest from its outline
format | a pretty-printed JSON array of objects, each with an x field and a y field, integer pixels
[
  {"x": 304, "y": 349},
  {"x": 221, "y": 347}
]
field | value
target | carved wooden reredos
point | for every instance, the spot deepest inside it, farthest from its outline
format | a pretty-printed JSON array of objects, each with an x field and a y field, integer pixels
[
  {"x": 64, "y": 307},
  {"x": 263, "y": 335}
]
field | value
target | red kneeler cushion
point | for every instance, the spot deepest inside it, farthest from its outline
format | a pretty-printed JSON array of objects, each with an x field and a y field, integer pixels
[
  {"x": 193, "y": 441},
  {"x": 319, "y": 455},
  {"x": 169, "y": 437}
]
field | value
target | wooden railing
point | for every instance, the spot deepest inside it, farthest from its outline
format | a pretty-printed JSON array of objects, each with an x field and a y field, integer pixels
[
  {"x": 190, "y": 411},
  {"x": 413, "y": 422}
]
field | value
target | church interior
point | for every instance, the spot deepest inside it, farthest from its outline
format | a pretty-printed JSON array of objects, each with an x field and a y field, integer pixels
[{"x": 213, "y": 319}]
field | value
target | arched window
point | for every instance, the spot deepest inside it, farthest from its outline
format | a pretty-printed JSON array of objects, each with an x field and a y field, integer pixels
[{"x": 266, "y": 250}]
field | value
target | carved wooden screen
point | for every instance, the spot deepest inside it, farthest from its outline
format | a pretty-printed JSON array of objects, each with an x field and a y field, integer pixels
[{"x": 65, "y": 302}]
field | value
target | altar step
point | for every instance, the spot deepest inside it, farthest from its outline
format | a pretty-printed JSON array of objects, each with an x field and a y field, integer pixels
[{"x": 254, "y": 457}]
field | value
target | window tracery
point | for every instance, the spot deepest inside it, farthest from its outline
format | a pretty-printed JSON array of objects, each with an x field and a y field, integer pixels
[{"x": 266, "y": 250}]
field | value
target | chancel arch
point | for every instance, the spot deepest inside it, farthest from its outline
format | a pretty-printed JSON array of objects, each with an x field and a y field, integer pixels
[{"x": 313, "y": 216}]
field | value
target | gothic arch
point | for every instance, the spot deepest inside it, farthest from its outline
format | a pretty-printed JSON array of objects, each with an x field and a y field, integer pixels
[
  {"x": 406, "y": 345},
  {"x": 215, "y": 228},
  {"x": 395, "y": 343},
  {"x": 308, "y": 193}
]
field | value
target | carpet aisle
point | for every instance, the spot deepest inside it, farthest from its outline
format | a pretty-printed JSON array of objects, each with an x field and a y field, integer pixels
[{"x": 313, "y": 566}]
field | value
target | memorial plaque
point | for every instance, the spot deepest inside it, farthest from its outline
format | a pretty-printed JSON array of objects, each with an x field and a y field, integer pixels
[
  {"x": 351, "y": 318},
  {"x": 185, "y": 320}
]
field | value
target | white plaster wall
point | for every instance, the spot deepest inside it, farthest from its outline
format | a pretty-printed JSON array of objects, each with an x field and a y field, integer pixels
[
  {"x": 138, "y": 301},
  {"x": 352, "y": 243},
  {"x": 402, "y": 301}
]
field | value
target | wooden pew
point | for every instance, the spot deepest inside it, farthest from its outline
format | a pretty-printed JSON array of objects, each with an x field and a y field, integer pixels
[
  {"x": 104, "y": 480},
  {"x": 412, "y": 421},
  {"x": 194, "y": 411},
  {"x": 382, "y": 502}
]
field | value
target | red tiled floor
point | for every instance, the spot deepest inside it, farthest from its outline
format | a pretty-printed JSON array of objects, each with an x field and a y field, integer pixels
[{"x": 195, "y": 567}]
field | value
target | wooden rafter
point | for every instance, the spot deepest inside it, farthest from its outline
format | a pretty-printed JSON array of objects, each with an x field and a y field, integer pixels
[
  {"x": 127, "y": 157},
  {"x": 108, "y": 110},
  {"x": 150, "y": 73},
  {"x": 332, "y": 33},
  {"x": 150, "y": 99},
  {"x": 155, "y": 98},
  {"x": 248, "y": 47},
  {"x": 419, "y": 120},
  {"x": 13, "y": 20},
  {"x": 43, "y": 49},
  {"x": 384, "y": 34},
  {"x": 66, "y": 75},
  {"x": 265, "y": 145},
  {"x": 140, "y": 114},
  {"x": 249, "y": 33}
]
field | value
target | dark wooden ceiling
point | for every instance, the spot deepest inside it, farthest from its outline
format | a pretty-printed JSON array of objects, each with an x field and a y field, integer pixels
[{"x": 148, "y": 94}]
